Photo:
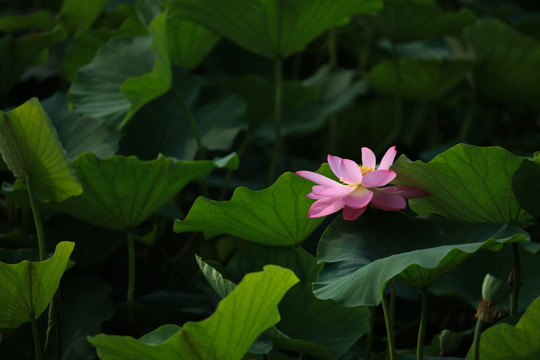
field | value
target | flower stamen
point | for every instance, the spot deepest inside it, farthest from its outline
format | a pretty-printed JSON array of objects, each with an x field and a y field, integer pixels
[{"x": 366, "y": 169}]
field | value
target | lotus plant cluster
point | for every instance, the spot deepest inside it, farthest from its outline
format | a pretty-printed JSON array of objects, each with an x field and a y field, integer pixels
[{"x": 127, "y": 128}]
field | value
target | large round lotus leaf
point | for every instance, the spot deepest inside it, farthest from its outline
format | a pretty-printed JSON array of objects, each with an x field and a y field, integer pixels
[
  {"x": 243, "y": 315},
  {"x": 30, "y": 147},
  {"x": 274, "y": 28},
  {"x": 273, "y": 216},
  {"x": 362, "y": 256},
  {"x": 467, "y": 183},
  {"x": 121, "y": 192},
  {"x": 27, "y": 288}
]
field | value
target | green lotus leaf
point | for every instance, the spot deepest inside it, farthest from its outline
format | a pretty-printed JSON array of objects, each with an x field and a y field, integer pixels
[
  {"x": 121, "y": 192},
  {"x": 336, "y": 87},
  {"x": 409, "y": 20},
  {"x": 30, "y": 147},
  {"x": 139, "y": 90},
  {"x": 271, "y": 28},
  {"x": 274, "y": 216},
  {"x": 189, "y": 43},
  {"x": 27, "y": 288},
  {"x": 82, "y": 13},
  {"x": 525, "y": 184},
  {"x": 96, "y": 89},
  {"x": 506, "y": 59},
  {"x": 162, "y": 126},
  {"x": 243, "y": 315},
  {"x": 467, "y": 183},
  {"x": 362, "y": 256},
  {"x": 308, "y": 325},
  {"x": 504, "y": 341},
  {"x": 221, "y": 286},
  {"x": 17, "y": 54},
  {"x": 126, "y": 73},
  {"x": 259, "y": 95},
  {"x": 270, "y": 338},
  {"x": 82, "y": 47},
  {"x": 159, "y": 335},
  {"x": 80, "y": 134},
  {"x": 419, "y": 79},
  {"x": 38, "y": 20}
]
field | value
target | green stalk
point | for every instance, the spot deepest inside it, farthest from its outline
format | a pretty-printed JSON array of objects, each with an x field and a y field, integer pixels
[
  {"x": 200, "y": 147},
  {"x": 37, "y": 219},
  {"x": 364, "y": 53},
  {"x": 278, "y": 83},
  {"x": 53, "y": 323},
  {"x": 37, "y": 343},
  {"x": 228, "y": 176},
  {"x": 393, "y": 297},
  {"x": 58, "y": 342},
  {"x": 42, "y": 257},
  {"x": 514, "y": 298},
  {"x": 389, "y": 328},
  {"x": 369, "y": 339},
  {"x": 192, "y": 123},
  {"x": 55, "y": 305},
  {"x": 477, "y": 334},
  {"x": 131, "y": 278},
  {"x": 422, "y": 327}
]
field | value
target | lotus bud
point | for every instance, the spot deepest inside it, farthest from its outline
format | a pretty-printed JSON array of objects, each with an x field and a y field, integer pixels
[
  {"x": 449, "y": 341},
  {"x": 495, "y": 290}
]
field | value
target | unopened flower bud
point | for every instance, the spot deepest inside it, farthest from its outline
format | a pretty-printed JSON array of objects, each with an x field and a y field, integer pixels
[
  {"x": 449, "y": 341},
  {"x": 495, "y": 290}
]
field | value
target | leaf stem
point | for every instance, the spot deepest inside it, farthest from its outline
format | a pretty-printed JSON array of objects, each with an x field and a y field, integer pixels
[
  {"x": 200, "y": 147},
  {"x": 53, "y": 325},
  {"x": 278, "y": 83},
  {"x": 369, "y": 340},
  {"x": 477, "y": 334},
  {"x": 37, "y": 219},
  {"x": 389, "y": 328},
  {"x": 393, "y": 297},
  {"x": 422, "y": 327},
  {"x": 514, "y": 297},
  {"x": 131, "y": 277},
  {"x": 229, "y": 174},
  {"x": 37, "y": 343},
  {"x": 192, "y": 123}
]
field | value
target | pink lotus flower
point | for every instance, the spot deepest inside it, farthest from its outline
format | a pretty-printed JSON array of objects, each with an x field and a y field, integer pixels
[{"x": 358, "y": 187}]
